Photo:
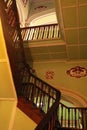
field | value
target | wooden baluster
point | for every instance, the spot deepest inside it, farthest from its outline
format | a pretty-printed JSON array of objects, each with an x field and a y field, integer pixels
[
  {"x": 55, "y": 117},
  {"x": 38, "y": 33},
  {"x": 72, "y": 117},
  {"x": 31, "y": 33},
  {"x": 29, "y": 29},
  {"x": 33, "y": 30},
  {"x": 39, "y": 92},
  {"x": 39, "y": 37},
  {"x": 57, "y": 31},
  {"x": 69, "y": 117},
  {"x": 25, "y": 34},
  {"x": 33, "y": 91},
  {"x": 52, "y": 31},
  {"x": 28, "y": 93},
  {"x": 65, "y": 118},
  {"x": 47, "y": 32},
  {"x": 22, "y": 33},
  {"x": 84, "y": 118},
  {"x": 48, "y": 98},
  {"x": 75, "y": 117},
  {"x": 41, "y": 95},
  {"x": 43, "y": 32},
  {"x": 61, "y": 115},
  {"x": 35, "y": 34}
]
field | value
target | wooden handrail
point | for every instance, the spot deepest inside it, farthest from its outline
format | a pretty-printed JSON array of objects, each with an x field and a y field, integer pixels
[
  {"x": 51, "y": 118},
  {"x": 72, "y": 117}
]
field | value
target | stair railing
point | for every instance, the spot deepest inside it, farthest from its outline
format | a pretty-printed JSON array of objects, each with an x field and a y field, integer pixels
[
  {"x": 14, "y": 28},
  {"x": 41, "y": 32},
  {"x": 43, "y": 96},
  {"x": 11, "y": 29},
  {"x": 38, "y": 91},
  {"x": 72, "y": 117},
  {"x": 50, "y": 121},
  {"x": 32, "y": 88}
]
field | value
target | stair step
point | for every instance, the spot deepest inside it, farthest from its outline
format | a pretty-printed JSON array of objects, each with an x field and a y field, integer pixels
[{"x": 30, "y": 110}]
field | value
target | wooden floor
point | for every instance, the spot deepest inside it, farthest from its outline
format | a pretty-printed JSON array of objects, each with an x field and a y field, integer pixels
[{"x": 30, "y": 110}]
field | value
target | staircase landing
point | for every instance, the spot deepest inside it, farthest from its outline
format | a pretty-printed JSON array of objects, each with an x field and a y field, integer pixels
[{"x": 30, "y": 110}]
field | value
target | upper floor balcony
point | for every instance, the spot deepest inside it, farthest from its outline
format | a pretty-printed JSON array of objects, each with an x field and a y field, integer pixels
[{"x": 39, "y": 33}]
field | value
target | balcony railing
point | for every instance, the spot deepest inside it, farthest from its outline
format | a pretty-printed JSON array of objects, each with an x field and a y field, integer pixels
[{"x": 44, "y": 32}]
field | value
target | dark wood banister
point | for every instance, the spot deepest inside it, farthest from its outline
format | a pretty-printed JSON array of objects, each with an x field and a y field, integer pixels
[
  {"x": 51, "y": 118},
  {"x": 45, "y": 122},
  {"x": 8, "y": 40},
  {"x": 76, "y": 116}
]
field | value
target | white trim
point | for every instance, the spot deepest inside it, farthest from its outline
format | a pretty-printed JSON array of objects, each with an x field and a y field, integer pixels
[
  {"x": 34, "y": 16},
  {"x": 74, "y": 97}
]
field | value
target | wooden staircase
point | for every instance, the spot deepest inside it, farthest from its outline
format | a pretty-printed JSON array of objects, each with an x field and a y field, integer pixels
[
  {"x": 30, "y": 110},
  {"x": 36, "y": 98}
]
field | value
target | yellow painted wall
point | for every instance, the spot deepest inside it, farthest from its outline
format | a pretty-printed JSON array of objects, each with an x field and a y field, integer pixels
[
  {"x": 8, "y": 99},
  {"x": 61, "y": 80},
  {"x": 22, "y": 122},
  {"x": 11, "y": 118}
]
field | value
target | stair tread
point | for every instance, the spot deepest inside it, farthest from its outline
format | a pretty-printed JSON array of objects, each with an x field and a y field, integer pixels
[{"x": 31, "y": 111}]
